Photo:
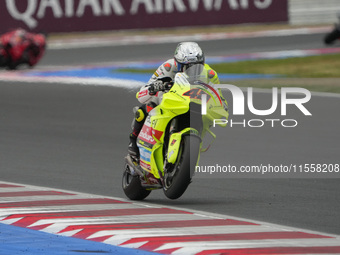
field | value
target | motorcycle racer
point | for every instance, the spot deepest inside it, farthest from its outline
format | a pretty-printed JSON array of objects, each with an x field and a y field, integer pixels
[
  {"x": 186, "y": 55},
  {"x": 21, "y": 47}
]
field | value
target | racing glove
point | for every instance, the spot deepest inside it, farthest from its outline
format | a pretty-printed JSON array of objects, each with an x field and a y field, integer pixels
[
  {"x": 159, "y": 86},
  {"x": 155, "y": 87}
]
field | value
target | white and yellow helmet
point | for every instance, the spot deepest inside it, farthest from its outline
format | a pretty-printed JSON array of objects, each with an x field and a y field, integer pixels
[{"x": 188, "y": 54}]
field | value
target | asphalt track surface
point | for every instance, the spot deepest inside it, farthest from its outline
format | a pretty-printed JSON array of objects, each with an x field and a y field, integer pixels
[{"x": 75, "y": 137}]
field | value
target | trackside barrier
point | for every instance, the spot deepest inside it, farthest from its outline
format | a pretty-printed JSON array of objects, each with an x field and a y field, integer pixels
[
  {"x": 99, "y": 15},
  {"x": 318, "y": 11},
  {"x": 94, "y": 15}
]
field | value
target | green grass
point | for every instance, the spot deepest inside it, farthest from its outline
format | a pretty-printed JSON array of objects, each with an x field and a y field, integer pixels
[
  {"x": 316, "y": 73},
  {"x": 316, "y": 86},
  {"x": 323, "y": 66}
]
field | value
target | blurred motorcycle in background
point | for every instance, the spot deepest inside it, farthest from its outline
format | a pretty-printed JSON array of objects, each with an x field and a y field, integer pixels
[
  {"x": 19, "y": 47},
  {"x": 334, "y": 35}
]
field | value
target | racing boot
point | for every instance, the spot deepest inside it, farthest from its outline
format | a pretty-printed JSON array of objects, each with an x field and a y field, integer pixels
[
  {"x": 133, "y": 149},
  {"x": 137, "y": 125}
]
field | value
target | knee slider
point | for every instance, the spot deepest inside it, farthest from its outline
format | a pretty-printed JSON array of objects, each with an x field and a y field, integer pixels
[{"x": 139, "y": 115}]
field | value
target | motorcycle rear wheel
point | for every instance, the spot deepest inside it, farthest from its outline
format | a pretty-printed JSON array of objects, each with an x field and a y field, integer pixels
[
  {"x": 175, "y": 186},
  {"x": 132, "y": 186}
]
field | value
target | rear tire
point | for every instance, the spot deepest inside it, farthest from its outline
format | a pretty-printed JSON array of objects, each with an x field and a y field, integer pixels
[
  {"x": 132, "y": 186},
  {"x": 175, "y": 186}
]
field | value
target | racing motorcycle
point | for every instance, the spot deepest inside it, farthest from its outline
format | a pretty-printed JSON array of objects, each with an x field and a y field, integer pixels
[
  {"x": 334, "y": 35},
  {"x": 20, "y": 47},
  {"x": 170, "y": 141},
  {"x": 331, "y": 37}
]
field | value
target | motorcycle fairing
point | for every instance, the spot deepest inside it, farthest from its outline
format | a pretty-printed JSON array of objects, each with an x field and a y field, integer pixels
[
  {"x": 151, "y": 138},
  {"x": 174, "y": 103},
  {"x": 175, "y": 142},
  {"x": 145, "y": 143},
  {"x": 171, "y": 139}
]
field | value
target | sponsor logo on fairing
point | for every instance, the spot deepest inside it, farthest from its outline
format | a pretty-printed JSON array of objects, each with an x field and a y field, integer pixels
[{"x": 146, "y": 136}]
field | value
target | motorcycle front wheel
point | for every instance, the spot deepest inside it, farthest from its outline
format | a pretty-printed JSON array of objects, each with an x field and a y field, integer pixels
[
  {"x": 178, "y": 178},
  {"x": 132, "y": 186}
]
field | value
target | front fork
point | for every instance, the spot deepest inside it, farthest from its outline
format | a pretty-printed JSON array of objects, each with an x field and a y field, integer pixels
[{"x": 175, "y": 142}]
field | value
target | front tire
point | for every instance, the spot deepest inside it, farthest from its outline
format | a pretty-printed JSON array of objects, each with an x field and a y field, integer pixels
[
  {"x": 132, "y": 186},
  {"x": 178, "y": 178}
]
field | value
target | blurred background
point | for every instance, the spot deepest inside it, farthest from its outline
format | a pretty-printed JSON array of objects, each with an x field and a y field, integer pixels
[{"x": 65, "y": 123}]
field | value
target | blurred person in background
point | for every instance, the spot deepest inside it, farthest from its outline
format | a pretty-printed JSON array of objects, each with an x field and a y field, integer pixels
[{"x": 21, "y": 47}]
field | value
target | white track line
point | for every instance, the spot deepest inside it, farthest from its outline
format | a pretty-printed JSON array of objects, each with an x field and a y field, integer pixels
[{"x": 65, "y": 224}]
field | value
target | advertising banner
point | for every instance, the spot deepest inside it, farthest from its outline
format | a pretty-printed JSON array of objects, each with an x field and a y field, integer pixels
[{"x": 98, "y": 15}]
